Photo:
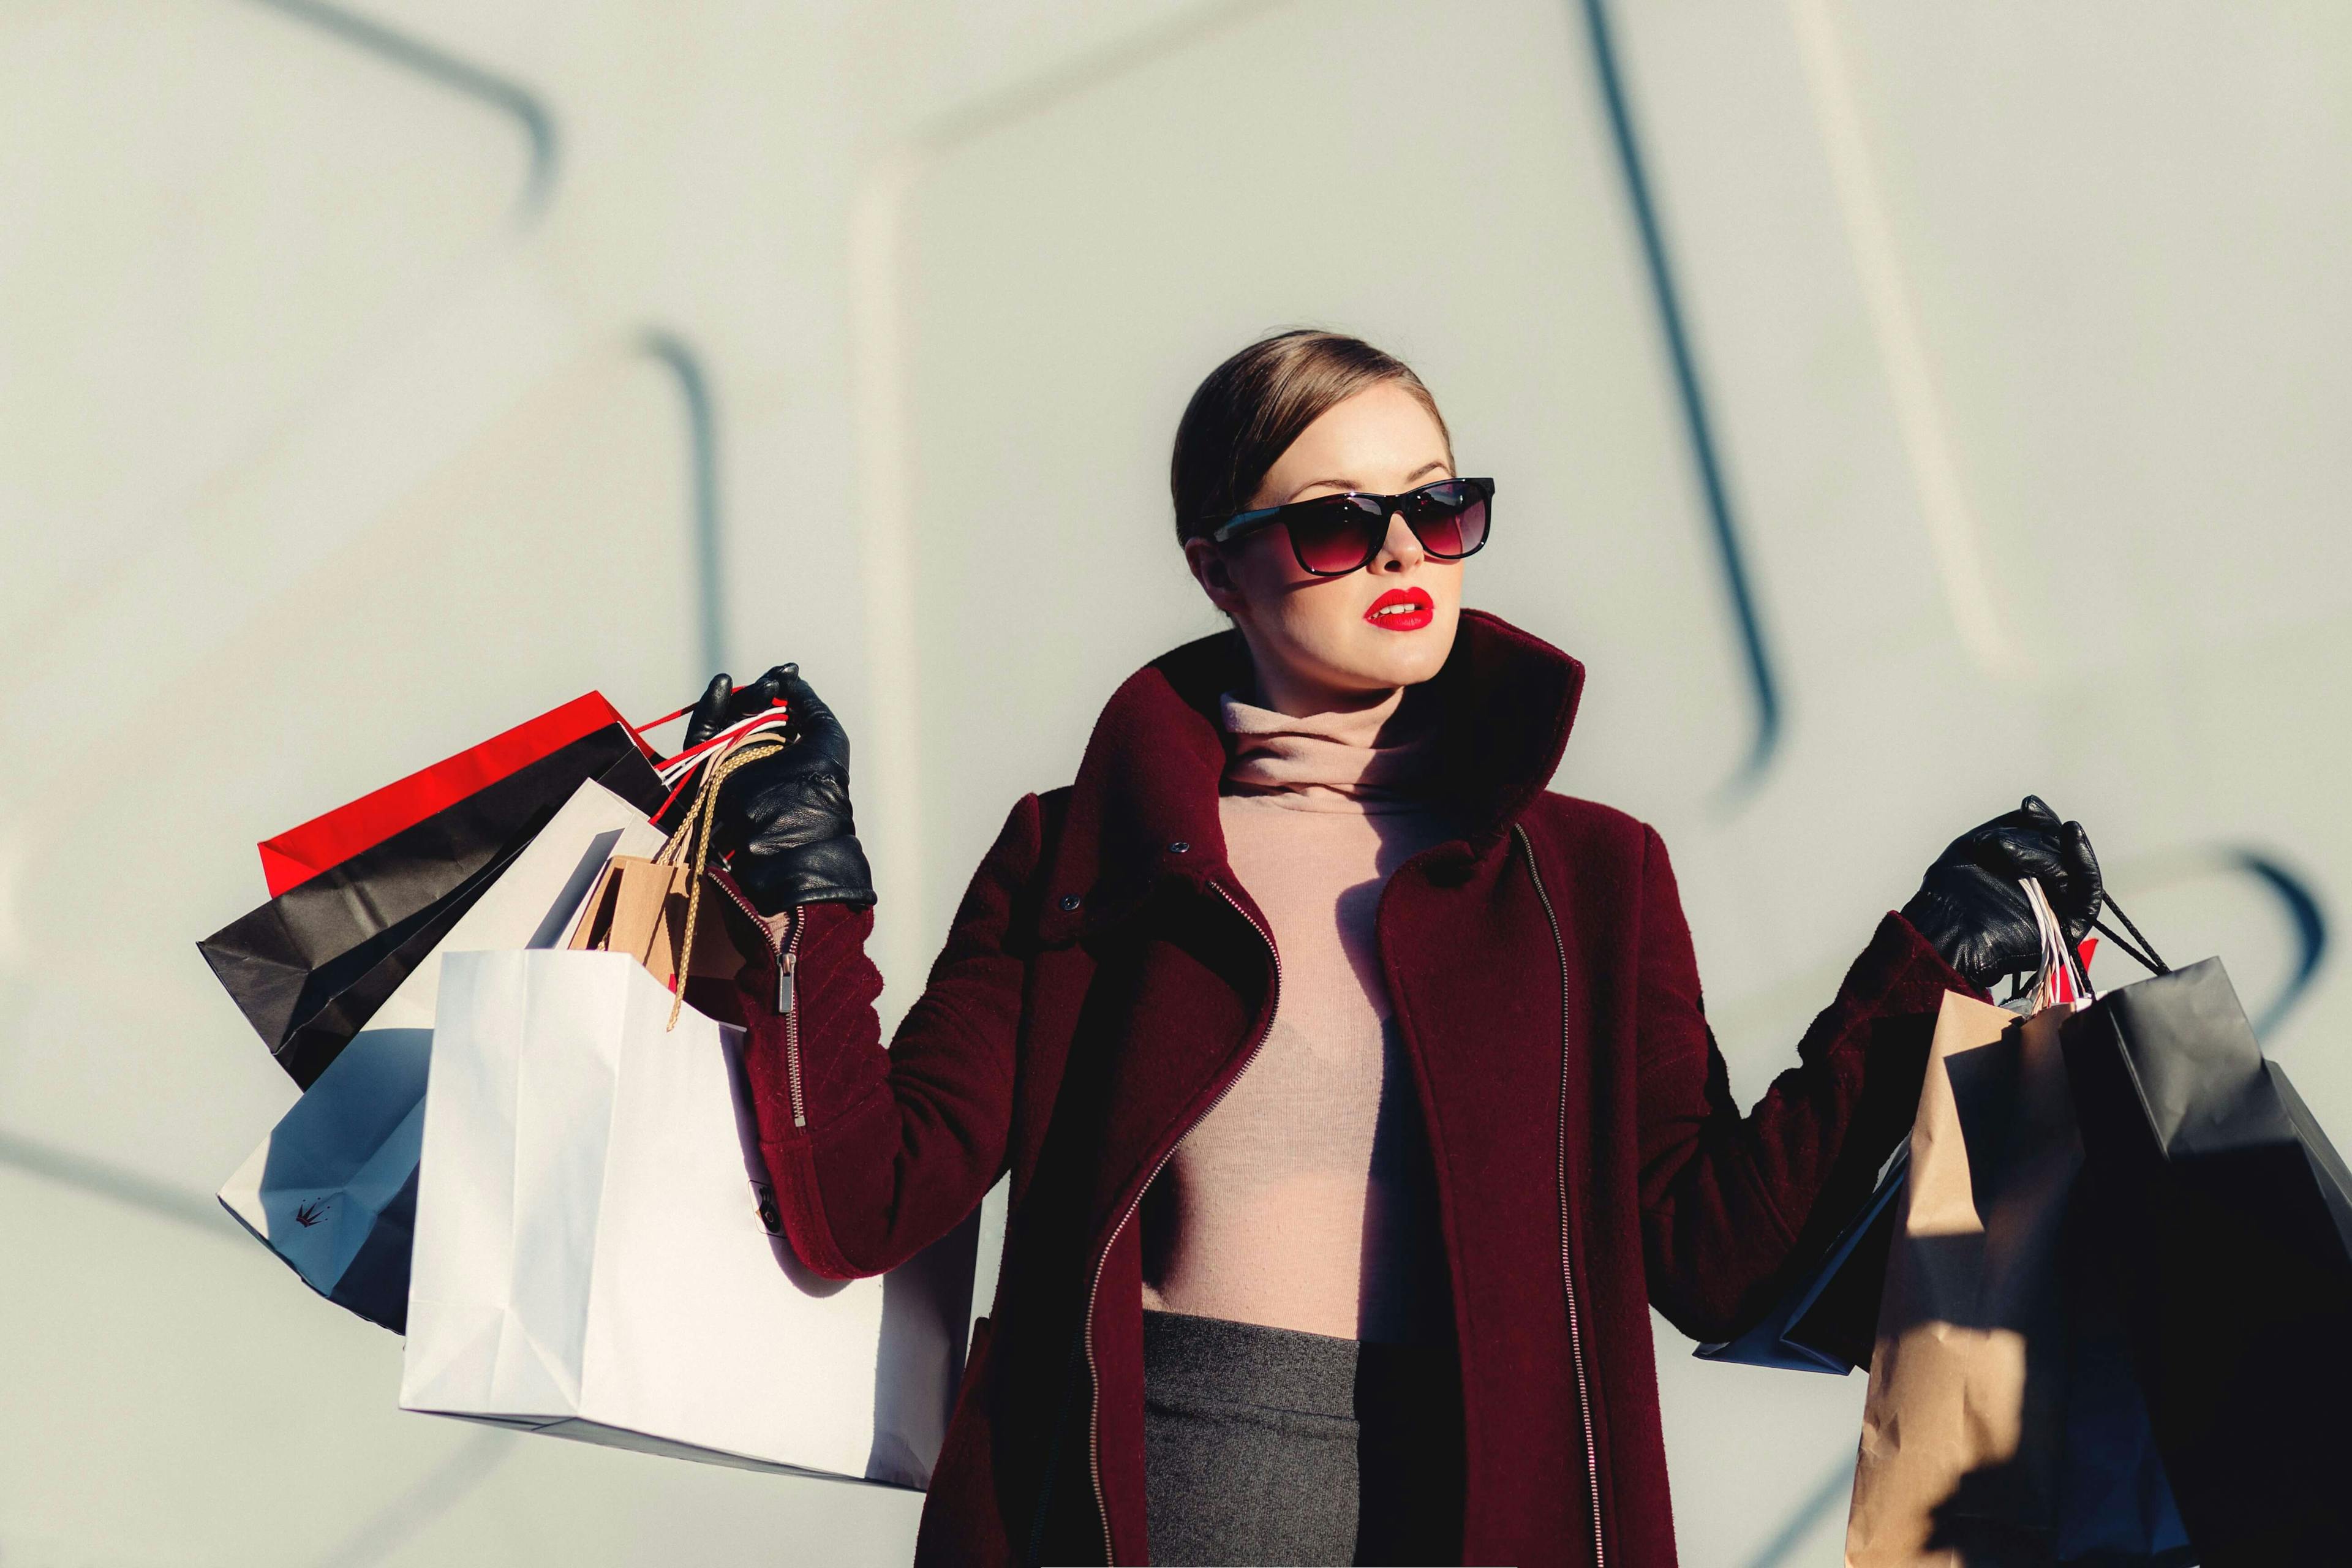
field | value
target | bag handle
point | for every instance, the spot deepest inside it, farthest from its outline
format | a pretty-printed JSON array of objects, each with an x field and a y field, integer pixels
[
  {"x": 679, "y": 770},
  {"x": 674, "y": 768},
  {"x": 2061, "y": 980},
  {"x": 2059, "y": 956},
  {"x": 694, "y": 830},
  {"x": 776, "y": 717},
  {"x": 640, "y": 730},
  {"x": 2145, "y": 954}
]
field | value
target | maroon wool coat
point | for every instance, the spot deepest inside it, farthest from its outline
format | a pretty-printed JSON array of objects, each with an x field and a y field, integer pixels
[{"x": 1106, "y": 978}]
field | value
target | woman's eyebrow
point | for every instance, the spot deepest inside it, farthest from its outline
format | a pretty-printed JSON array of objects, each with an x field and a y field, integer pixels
[{"x": 1350, "y": 485}]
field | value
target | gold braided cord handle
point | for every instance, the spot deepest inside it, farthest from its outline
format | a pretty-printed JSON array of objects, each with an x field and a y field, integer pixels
[{"x": 696, "y": 828}]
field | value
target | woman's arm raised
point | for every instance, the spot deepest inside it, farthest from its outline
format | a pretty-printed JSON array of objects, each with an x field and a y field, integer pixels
[{"x": 875, "y": 1153}]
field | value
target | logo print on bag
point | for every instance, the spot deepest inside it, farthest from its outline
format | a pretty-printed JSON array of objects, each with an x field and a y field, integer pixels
[{"x": 311, "y": 1213}]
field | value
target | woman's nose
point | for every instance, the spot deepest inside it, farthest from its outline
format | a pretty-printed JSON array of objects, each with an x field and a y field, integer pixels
[{"x": 1400, "y": 551}]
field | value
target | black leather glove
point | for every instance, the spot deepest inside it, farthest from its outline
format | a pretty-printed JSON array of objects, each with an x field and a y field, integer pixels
[
  {"x": 785, "y": 818},
  {"x": 1971, "y": 910}
]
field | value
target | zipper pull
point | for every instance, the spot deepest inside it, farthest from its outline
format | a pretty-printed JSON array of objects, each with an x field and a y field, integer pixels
[{"x": 784, "y": 966}]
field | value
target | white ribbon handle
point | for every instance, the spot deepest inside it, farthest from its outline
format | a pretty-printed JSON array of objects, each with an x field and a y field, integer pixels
[
  {"x": 676, "y": 768},
  {"x": 2062, "y": 981}
]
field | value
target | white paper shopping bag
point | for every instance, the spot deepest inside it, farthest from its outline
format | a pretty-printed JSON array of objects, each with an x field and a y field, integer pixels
[
  {"x": 331, "y": 1191},
  {"x": 590, "y": 1257}
]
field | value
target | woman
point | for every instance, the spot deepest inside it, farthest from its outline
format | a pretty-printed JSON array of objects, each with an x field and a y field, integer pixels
[{"x": 1356, "y": 1091}]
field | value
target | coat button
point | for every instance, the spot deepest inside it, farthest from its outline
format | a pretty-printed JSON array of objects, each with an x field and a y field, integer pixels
[
  {"x": 1069, "y": 900},
  {"x": 1179, "y": 847}
]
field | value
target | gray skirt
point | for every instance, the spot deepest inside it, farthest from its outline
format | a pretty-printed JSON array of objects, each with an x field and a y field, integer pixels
[{"x": 1269, "y": 1445}]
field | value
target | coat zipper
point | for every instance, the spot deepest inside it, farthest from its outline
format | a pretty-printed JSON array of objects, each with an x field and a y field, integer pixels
[
  {"x": 787, "y": 962},
  {"x": 1567, "y": 1270},
  {"x": 1094, "y": 1377},
  {"x": 786, "y": 965}
]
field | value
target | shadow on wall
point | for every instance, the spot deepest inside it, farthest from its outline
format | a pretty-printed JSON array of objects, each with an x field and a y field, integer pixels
[
  {"x": 443, "y": 68},
  {"x": 1762, "y": 683}
]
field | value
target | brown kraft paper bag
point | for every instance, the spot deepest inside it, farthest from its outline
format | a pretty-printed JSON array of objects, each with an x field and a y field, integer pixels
[
  {"x": 639, "y": 907},
  {"x": 1963, "y": 1423},
  {"x": 652, "y": 909}
]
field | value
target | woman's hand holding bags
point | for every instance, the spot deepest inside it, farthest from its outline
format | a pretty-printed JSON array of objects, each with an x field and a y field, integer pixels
[
  {"x": 785, "y": 819},
  {"x": 1970, "y": 907}
]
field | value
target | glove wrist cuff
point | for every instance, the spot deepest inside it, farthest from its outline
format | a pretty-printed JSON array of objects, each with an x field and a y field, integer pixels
[{"x": 829, "y": 871}]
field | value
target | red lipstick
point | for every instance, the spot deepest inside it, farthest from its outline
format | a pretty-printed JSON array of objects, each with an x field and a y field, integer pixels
[{"x": 1412, "y": 611}]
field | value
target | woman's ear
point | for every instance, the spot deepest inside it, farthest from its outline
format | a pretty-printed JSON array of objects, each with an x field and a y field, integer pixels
[{"x": 1214, "y": 573}]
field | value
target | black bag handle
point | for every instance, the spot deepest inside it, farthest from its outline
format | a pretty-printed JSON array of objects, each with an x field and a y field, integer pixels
[{"x": 2145, "y": 954}]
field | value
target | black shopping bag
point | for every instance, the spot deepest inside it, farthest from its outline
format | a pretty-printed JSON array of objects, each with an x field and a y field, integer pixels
[
  {"x": 2222, "y": 1216},
  {"x": 310, "y": 967},
  {"x": 1828, "y": 1318},
  {"x": 2116, "y": 1507}
]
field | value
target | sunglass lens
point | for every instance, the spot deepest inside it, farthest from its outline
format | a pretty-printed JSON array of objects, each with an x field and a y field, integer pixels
[
  {"x": 1450, "y": 520},
  {"x": 1334, "y": 537}
]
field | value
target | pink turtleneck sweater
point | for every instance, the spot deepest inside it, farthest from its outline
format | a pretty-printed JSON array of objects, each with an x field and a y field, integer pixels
[{"x": 1304, "y": 1199}]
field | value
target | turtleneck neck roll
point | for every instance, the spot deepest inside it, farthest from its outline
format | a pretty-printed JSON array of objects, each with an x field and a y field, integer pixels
[{"x": 1375, "y": 758}]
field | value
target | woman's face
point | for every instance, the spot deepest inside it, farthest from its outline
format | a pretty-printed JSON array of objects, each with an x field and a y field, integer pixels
[{"x": 1317, "y": 646}]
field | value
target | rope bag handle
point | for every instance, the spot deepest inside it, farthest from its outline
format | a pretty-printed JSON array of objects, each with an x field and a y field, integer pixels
[{"x": 695, "y": 832}]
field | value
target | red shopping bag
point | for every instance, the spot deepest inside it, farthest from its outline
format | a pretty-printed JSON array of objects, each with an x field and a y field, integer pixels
[{"x": 299, "y": 854}]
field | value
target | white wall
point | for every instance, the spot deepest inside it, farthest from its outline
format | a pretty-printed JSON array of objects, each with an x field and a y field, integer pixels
[{"x": 353, "y": 362}]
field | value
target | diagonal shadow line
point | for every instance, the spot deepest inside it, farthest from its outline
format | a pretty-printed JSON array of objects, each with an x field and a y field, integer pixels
[
  {"x": 879, "y": 405},
  {"x": 440, "y": 1488},
  {"x": 1806, "y": 1515},
  {"x": 107, "y": 1180},
  {"x": 1763, "y": 685},
  {"x": 994, "y": 108},
  {"x": 2310, "y": 931},
  {"x": 2290, "y": 885},
  {"x": 436, "y": 64},
  {"x": 391, "y": 1526},
  {"x": 702, "y": 435}
]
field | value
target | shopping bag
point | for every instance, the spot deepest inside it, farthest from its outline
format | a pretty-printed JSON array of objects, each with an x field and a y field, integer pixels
[
  {"x": 591, "y": 1259},
  {"x": 651, "y": 907},
  {"x": 313, "y": 964},
  {"x": 296, "y": 856},
  {"x": 640, "y": 906},
  {"x": 332, "y": 1189},
  {"x": 1963, "y": 1422},
  {"x": 2224, "y": 1218},
  {"x": 2116, "y": 1507},
  {"x": 1828, "y": 1319}
]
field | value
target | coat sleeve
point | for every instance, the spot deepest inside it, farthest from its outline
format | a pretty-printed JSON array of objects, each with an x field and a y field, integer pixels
[
  {"x": 1730, "y": 1204},
  {"x": 877, "y": 1154}
]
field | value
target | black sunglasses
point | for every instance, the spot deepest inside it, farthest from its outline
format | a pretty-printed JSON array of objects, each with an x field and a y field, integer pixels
[{"x": 1334, "y": 535}]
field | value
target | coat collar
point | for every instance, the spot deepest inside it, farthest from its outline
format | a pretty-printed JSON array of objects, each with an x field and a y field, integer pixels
[{"x": 1144, "y": 805}]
